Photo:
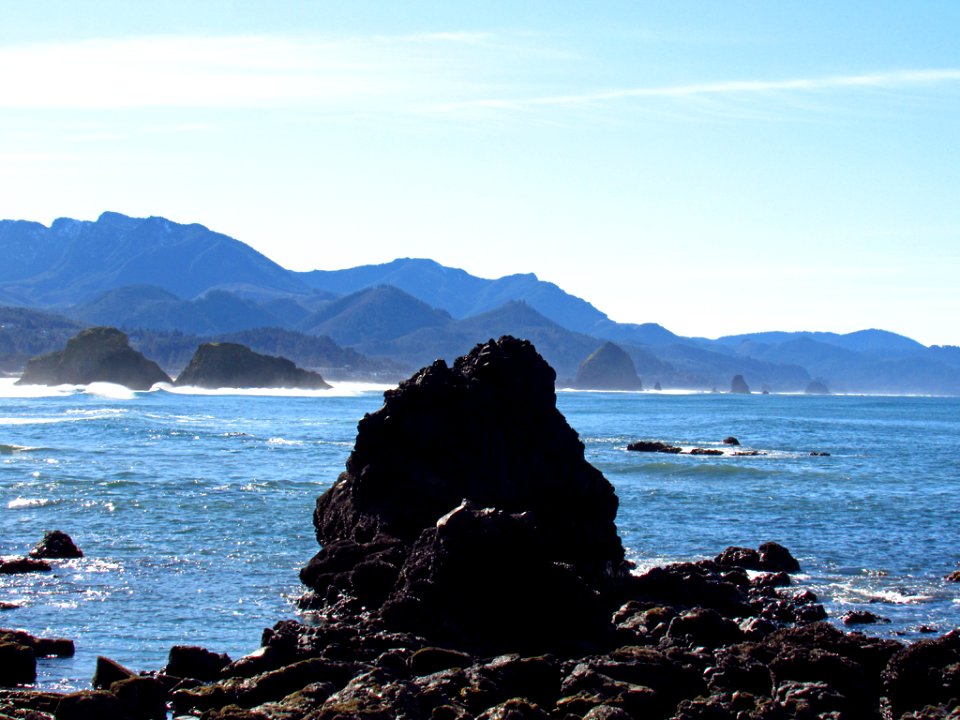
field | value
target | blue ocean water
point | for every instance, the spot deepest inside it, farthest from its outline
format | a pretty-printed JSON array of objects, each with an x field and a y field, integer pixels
[{"x": 194, "y": 509}]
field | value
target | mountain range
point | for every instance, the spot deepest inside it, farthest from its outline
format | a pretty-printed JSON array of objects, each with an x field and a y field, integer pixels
[{"x": 168, "y": 285}]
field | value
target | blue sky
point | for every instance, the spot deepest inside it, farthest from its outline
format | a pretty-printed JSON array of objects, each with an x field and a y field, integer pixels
[{"x": 715, "y": 167}]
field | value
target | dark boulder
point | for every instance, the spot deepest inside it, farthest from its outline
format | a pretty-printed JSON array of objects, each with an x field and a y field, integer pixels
[
  {"x": 99, "y": 354},
  {"x": 230, "y": 365},
  {"x": 56, "y": 544},
  {"x": 108, "y": 672},
  {"x": 492, "y": 528},
  {"x": 17, "y": 566},
  {"x": 42, "y": 647},
  {"x": 608, "y": 368},
  {"x": 142, "y": 698},
  {"x": 924, "y": 673},
  {"x": 731, "y": 440},
  {"x": 190, "y": 661},
  {"x": 18, "y": 664},
  {"x": 653, "y": 446},
  {"x": 774, "y": 557},
  {"x": 739, "y": 386},
  {"x": 770, "y": 557},
  {"x": 862, "y": 617},
  {"x": 90, "y": 705}
]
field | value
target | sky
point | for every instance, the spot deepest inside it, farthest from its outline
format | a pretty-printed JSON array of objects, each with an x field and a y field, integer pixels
[{"x": 717, "y": 168}]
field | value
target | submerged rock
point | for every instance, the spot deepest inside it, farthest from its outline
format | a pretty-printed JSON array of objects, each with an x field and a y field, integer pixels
[
  {"x": 609, "y": 367},
  {"x": 99, "y": 354},
  {"x": 230, "y": 365}
]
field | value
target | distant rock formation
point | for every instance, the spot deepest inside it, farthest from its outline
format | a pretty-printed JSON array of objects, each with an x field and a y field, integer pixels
[
  {"x": 99, "y": 354},
  {"x": 608, "y": 368},
  {"x": 817, "y": 387},
  {"x": 229, "y": 365},
  {"x": 468, "y": 512},
  {"x": 739, "y": 385}
]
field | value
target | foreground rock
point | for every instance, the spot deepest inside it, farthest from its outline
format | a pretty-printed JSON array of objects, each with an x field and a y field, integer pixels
[
  {"x": 468, "y": 513},
  {"x": 608, "y": 368},
  {"x": 99, "y": 354},
  {"x": 229, "y": 365}
]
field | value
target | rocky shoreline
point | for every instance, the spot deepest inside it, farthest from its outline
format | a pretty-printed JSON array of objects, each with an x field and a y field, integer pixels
[{"x": 471, "y": 568}]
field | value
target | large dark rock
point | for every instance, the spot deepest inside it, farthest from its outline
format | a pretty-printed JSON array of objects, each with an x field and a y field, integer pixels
[
  {"x": 18, "y": 663},
  {"x": 608, "y": 368},
  {"x": 223, "y": 364},
  {"x": 99, "y": 354},
  {"x": 90, "y": 705},
  {"x": 924, "y": 673},
  {"x": 468, "y": 498},
  {"x": 190, "y": 661},
  {"x": 56, "y": 544}
]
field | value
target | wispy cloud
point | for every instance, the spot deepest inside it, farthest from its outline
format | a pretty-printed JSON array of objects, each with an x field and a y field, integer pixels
[
  {"x": 453, "y": 75},
  {"x": 696, "y": 91}
]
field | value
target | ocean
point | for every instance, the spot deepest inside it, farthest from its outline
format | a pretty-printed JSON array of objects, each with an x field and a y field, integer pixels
[{"x": 194, "y": 508}]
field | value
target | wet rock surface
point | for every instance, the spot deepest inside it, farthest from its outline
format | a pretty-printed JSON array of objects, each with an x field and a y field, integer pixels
[{"x": 470, "y": 570}]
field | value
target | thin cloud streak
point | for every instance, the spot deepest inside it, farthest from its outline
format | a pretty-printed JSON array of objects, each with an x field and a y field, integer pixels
[{"x": 885, "y": 80}]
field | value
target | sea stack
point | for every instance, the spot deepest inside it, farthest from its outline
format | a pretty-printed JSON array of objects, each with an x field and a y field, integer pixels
[
  {"x": 479, "y": 520},
  {"x": 230, "y": 365},
  {"x": 817, "y": 387},
  {"x": 739, "y": 386},
  {"x": 608, "y": 368},
  {"x": 99, "y": 354}
]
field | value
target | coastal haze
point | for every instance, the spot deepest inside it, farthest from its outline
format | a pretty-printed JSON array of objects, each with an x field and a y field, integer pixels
[{"x": 717, "y": 170}]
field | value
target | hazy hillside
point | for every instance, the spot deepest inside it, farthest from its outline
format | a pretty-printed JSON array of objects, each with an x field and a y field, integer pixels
[
  {"x": 153, "y": 308},
  {"x": 25, "y": 333},
  {"x": 871, "y": 361},
  {"x": 373, "y": 315},
  {"x": 562, "y": 348},
  {"x": 461, "y": 294}
]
